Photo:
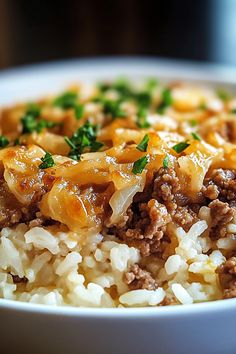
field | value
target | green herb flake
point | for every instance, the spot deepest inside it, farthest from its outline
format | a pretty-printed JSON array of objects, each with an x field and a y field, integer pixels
[
  {"x": 203, "y": 106},
  {"x": 233, "y": 111},
  {"x": 223, "y": 95},
  {"x": 142, "y": 121},
  {"x": 139, "y": 165},
  {"x": 113, "y": 108},
  {"x": 96, "y": 145},
  {"x": 143, "y": 99},
  {"x": 29, "y": 124},
  {"x": 142, "y": 146},
  {"x": 66, "y": 100},
  {"x": 33, "y": 110},
  {"x": 47, "y": 161},
  {"x": 166, "y": 161},
  {"x": 3, "y": 141},
  {"x": 16, "y": 142},
  {"x": 193, "y": 123},
  {"x": 121, "y": 86},
  {"x": 166, "y": 101},
  {"x": 83, "y": 139},
  {"x": 79, "y": 111},
  {"x": 70, "y": 142},
  {"x": 74, "y": 155},
  {"x": 180, "y": 146},
  {"x": 152, "y": 84},
  {"x": 196, "y": 136}
]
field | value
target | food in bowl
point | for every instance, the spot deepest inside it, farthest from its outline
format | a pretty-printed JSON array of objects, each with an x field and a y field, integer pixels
[{"x": 119, "y": 195}]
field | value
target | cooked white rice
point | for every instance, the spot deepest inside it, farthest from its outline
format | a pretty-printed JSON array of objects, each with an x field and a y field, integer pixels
[{"x": 60, "y": 272}]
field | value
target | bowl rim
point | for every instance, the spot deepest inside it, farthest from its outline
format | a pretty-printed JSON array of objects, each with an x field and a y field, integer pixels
[
  {"x": 164, "y": 68},
  {"x": 144, "y": 312}
]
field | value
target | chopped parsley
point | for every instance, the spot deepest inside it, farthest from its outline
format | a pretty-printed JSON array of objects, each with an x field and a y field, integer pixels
[
  {"x": 16, "y": 142},
  {"x": 47, "y": 161},
  {"x": 142, "y": 146},
  {"x": 69, "y": 100},
  {"x": 193, "y": 122},
  {"x": 180, "y": 146},
  {"x": 152, "y": 84},
  {"x": 142, "y": 121},
  {"x": 31, "y": 124},
  {"x": 233, "y": 111},
  {"x": 83, "y": 139},
  {"x": 3, "y": 141},
  {"x": 203, "y": 106},
  {"x": 66, "y": 100},
  {"x": 143, "y": 99},
  {"x": 223, "y": 95},
  {"x": 139, "y": 165},
  {"x": 196, "y": 136},
  {"x": 34, "y": 110},
  {"x": 126, "y": 92},
  {"x": 166, "y": 101},
  {"x": 79, "y": 111},
  {"x": 113, "y": 108},
  {"x": 166, "y": 161}
]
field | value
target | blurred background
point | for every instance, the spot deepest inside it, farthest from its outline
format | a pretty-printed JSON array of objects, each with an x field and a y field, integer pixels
[{"x": 42, "y": 30}]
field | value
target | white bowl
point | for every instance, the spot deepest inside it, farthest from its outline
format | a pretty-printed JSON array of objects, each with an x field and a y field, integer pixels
[{"x": 38, "y": 329}]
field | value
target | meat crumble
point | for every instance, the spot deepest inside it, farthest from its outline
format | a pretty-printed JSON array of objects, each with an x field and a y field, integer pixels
[
  {"x": 227, "y": 277},
  {"x": 138, "y": 278},
  {"x": 221, "y": 215}
]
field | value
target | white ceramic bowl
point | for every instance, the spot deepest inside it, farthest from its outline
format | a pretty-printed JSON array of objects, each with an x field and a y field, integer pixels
[{"x": 38, "y": 329}]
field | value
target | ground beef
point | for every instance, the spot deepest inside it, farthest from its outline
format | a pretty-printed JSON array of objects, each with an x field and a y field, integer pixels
[
  {"x": 227, "y": 277},
  {"x": 16, "y": 279},
  {"x": 221, "y": 215},
  {"x": 166, "y": 189},
  {"x": 13, "y": 212},
  {"x": 144, "y": 227},
  {"x": 138, "y": 278},
  {"x": 38, "y": 221},
  {"x": 185, "y": 217},
  {"x": 221, "y": 184}
]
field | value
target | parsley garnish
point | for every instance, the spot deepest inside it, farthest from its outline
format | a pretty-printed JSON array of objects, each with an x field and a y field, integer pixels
[
  {"x": 166, "y": 101},
  {"x": 47, "y": 161},
  {"x": 113, "y": 108},
  {"x": 30, "y": 121},
  {"x": 34, "y": 110},
  {"x": 3, "y": 141},
  {"x": 180, "y": 146},
  {"x": 151, "y": 84},
  {"x": 16, "y": 141},
  {"x": 139, "y": 165},
  {"x": 193, "y": 122},
  {"x": 142, "y": 121},
  {"x": 233, "y": 111},
  {"x": 69, "y": 100},
  {"x": 30, "y": 124},
  {"x": 66, "y": 100},
  {"x": 121, "y": 86},
  {"x": 125, "y": 92},
  {"x": 196, "y": 136},
  {"x": 84, "y": 138},
  {"x": 203, "y": 106},
  {"x": 166, "y": 161},
  {"x": 143, "y": 99},
  {"x": 223, "y": 95},
  {"x": 142, "y": 146},
  {"x": 79, "y": 111}
]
